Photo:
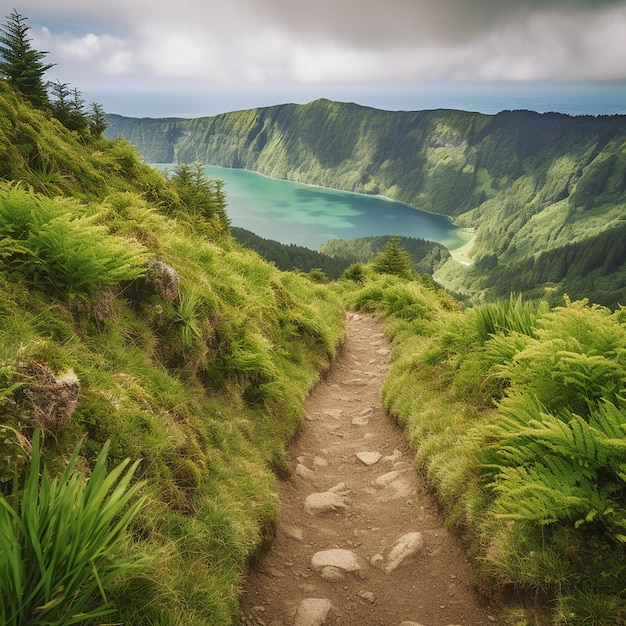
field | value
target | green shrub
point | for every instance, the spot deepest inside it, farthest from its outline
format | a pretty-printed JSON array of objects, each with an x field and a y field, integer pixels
[
  {"x": 394, "y": 259},
  {"x": 200, "y": 195},
  {"x": 317, "y": 275},
  {"x": 355, "y": 272},
  {"x": 560, "y": 468},
  {"x": 577, "y": 360},
  {"x": 524, "y": 442}
]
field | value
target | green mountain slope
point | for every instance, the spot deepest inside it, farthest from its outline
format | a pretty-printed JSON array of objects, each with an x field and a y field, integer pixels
[
  {"x": 291, "y": 257},
  {"x": 526, "y": 182}
]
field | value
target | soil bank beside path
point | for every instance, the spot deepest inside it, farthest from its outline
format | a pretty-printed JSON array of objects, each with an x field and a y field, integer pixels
[{"x": 359, "y": 540}]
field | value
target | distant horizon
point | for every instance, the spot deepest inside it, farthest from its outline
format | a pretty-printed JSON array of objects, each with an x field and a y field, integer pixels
[
  {"x": 202, "y": 57},
  {"x": 572, "y": 98}
]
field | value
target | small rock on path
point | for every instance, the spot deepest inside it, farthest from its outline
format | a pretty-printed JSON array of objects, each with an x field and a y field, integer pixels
[{"x": 359, "y": 540}]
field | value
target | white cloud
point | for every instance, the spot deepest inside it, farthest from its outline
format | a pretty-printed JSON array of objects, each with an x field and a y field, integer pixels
[
  {"x": 118, "y": 63},
  {"x": 83, "y": 48},
  {"x": 260, "y": 41}
]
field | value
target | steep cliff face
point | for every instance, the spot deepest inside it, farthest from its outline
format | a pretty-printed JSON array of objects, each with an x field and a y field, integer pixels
[
  {"x": 526, "y": 182},
  {"x": 338, "y": 145},
  {"x": 444, "y": 161}
]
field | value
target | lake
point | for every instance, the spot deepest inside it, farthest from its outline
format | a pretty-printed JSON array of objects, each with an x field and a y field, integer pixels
[{"x": 308, "y": 216}]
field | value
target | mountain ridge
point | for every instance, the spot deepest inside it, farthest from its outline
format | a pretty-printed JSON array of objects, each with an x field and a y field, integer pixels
[{"x": 526, "y": 182}]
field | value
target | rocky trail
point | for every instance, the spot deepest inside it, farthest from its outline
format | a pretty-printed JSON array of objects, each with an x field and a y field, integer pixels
[{"x": 359, "y": 540}]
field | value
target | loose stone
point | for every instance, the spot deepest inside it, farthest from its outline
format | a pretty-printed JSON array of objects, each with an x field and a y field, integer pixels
[
  {"x": 313, "y": 612},
  {"x": 369, "y": 458},
  {"x": 294, "y": 532},
  {"x": 335, "y": 557},
  {"x": 404, "y": 548},
  {"x": 393, "y": 457},
  {"x": 368, "y": 596},
  {"x": 377, "y": 560},
  {"x": 326, "y": 502},
  {"x": 304, "y": 472},
  {"x": 385, "y": 479},
  {"x": 331, "y": 574}
]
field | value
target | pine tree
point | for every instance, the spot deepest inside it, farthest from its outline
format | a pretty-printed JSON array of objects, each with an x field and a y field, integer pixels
[
  {"x": 60, "y": 93},
  {"x": 97, "y": 119},
  {"x": 394, "y": 259},
  {"x": 78, "y": 118},
  {"x": 68, "y": 107},
  {"x": 20, "y": 64}
]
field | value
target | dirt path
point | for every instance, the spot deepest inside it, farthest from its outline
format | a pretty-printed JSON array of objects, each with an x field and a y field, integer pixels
[{"x": 359, "y": 541}]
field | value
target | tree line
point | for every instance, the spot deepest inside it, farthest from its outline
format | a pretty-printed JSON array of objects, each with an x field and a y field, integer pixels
[
  {"x": 23, "y": 67},
  {"x": 592, "y": 268},
  {"x": 288, "y": 257}
]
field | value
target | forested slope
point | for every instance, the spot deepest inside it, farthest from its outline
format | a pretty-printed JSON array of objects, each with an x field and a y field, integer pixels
[{"x": 526, "y": 182}]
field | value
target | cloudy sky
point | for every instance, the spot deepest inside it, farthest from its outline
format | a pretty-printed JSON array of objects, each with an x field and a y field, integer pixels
[{"x": 202, "y": 57}]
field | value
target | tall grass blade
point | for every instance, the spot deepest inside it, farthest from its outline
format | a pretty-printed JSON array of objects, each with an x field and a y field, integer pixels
[{"x": 59, "y": 540}]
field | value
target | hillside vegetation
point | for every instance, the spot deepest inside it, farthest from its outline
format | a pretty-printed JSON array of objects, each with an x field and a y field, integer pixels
[
  {"x": 528, "y": 183},
  {"x": 292, "y": 257},
  {"x": 131, "y": 320},
  {"x": 517, "y": 414},
  {"x": 336, "y": 255}
]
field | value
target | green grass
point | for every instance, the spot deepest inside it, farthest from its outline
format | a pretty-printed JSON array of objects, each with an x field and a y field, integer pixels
[{"x": 207, "y": 391}]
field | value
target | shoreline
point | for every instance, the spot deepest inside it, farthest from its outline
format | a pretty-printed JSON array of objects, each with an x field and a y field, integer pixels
[{"x": 461, "y": 230}]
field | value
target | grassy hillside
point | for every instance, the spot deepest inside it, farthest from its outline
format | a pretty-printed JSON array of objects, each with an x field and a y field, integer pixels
[
  {"x": 517, "y": 416},
  {"x": 527, "y": 183},
  {"x": 129, "y": 316}
]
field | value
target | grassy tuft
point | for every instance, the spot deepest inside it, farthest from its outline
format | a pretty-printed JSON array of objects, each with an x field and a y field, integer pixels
[{"x": 60, "y": 541}]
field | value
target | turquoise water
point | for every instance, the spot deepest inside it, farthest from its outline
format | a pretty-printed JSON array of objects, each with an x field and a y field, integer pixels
[{"x": 309, "y": 216}]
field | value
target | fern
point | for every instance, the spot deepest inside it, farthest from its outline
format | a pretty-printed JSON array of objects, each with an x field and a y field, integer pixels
[
  {"x": 77, "y": 256},
  {"x": 528, "y": 498},
  {"x": 501, "y": 349},
  {"x": 11, "y": 248},
  {"x": 22, "y": 212},
  {"x": 559, "y": 468},
  {"x": 552, "y": 493},
  {"x": 46, "y": 242},
  {"x": 575, "y": 371}
]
